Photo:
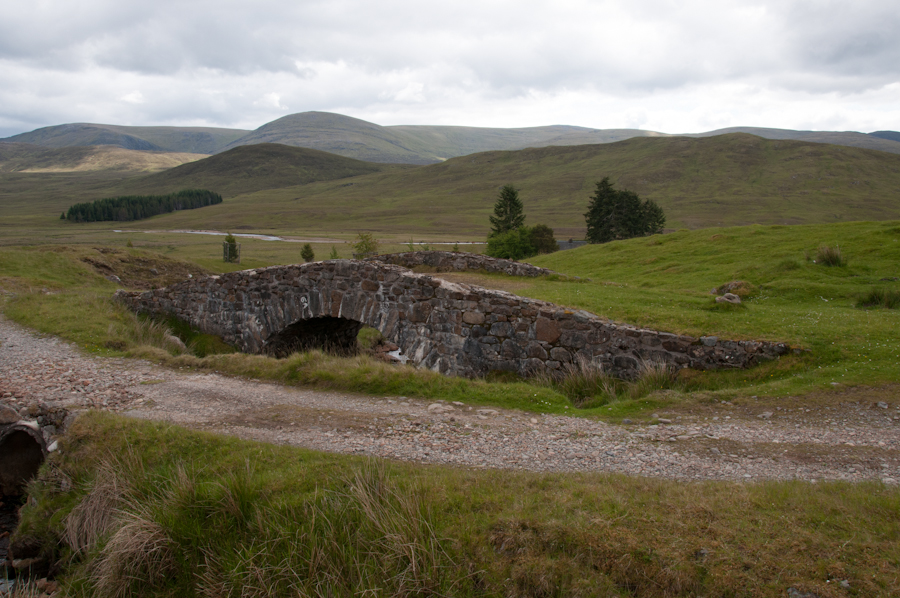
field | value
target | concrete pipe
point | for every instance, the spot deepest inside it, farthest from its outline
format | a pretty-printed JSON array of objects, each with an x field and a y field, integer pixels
[{"x": 22, "y": 451}]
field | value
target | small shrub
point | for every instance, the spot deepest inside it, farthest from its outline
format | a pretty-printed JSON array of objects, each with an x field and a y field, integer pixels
[
  {"x": 334, "y": 254},
  {"x": 366, "y": 245},
  {"x": 231, "y": 251},
  {"x": 880, "y": 297},
  {"x": 830, "y": 256},
  {"x": 511, "y": 245},
  {"x": 129, "y": 243},
  {"x": 307, "y": 253},
  {"x": 368, "y": 338}
]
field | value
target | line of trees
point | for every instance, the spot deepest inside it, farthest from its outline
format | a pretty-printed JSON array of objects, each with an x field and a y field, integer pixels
[
  {"x": 136, "y": 207},
  {"x": 615, "y": 214}
]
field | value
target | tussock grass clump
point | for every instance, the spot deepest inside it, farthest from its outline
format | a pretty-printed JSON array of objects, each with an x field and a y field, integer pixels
[
  {"x": 830, "y": 256},
  {"x": 94, "y": 517},
  {"x": 177, "y": 530},
  {"x": 880, "y": 297},
  {"x": 138, "y": 556},
  {"x": 588, "y": 385},
  {"x": 653, "y": 375},
  {"x": 142, "y": 331}
]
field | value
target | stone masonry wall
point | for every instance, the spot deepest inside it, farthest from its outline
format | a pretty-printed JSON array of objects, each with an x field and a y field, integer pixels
[
  {"x": 450, "y": 261},
  {"x": 452, "y": 328}
]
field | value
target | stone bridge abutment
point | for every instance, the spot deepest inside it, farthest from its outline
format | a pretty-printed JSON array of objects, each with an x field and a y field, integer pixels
[{"x": 451, "y": 328}]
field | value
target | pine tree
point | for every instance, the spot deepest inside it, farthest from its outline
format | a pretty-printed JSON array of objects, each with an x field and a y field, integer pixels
[
  {"x": 614, "y": 214},
  {"x": 307, "y": 253},
  {"x": 508, "y": 211}
]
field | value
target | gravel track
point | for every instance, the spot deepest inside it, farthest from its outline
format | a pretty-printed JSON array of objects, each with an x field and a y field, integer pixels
[{"x": 851, "y": 440}]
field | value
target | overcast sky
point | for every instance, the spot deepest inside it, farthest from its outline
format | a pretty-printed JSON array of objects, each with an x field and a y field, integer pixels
[{"x": 666, "y": 65}]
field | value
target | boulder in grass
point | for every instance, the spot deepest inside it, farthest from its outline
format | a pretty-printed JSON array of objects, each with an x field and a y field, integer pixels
[
  {"x": 729, "y": 298},
  {"x": 741, "y": 288}
]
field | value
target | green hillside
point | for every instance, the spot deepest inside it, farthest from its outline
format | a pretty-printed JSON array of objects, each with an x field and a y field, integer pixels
[
  {"x": 719, "y": 181},
  {"x": 727, "y": 180},
  {"x": 876, "y": 141},
  {"x": 27, "y": 157},
  {"x": 253, "y": 168},
  {"x": 198, "y": 140}
]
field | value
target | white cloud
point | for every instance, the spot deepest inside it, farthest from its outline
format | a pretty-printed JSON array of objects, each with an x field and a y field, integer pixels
[{"x": 686, "y": 66}]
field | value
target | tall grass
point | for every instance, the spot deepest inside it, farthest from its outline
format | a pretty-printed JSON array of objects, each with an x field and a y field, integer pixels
[
  {"x": 589, "y": 385},
  {"x": 137, "y": 534},
  {"x": 880, "y": 297},
  {"x": 830, "y": 256},
  {"x": 213, "y": 516}
]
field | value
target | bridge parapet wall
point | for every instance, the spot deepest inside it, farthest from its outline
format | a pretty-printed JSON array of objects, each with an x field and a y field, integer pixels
[
  {"x": 453, "y": 261},
  {"x": 452, "y": 328}
]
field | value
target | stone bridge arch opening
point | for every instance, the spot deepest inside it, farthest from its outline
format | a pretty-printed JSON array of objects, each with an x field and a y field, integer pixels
[{"x": 329, "y": 333}]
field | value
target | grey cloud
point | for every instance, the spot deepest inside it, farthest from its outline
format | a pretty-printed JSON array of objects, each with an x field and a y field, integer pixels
[{"x": 218, "y": 61}]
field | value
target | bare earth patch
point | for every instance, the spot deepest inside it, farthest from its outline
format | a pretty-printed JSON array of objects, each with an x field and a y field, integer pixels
[{"x": 847, "y": 434}]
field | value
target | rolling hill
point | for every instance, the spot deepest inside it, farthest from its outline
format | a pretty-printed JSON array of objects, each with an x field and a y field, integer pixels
[
  {"x": 195, "y": 140},
  {"x": 726, "y": 180},
  {"x": 889, "y": 135},
  {"x": 409, "y": 144},
  {"x": 29, "y": 158},
  {"x": 881, "y": 141},
  {"x": 417, "y": 144},
  {"x": 251, "y": 168}
]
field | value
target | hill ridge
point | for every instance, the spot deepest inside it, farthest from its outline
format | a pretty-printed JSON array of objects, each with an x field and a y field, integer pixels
[{"x": 411, "y": 144}]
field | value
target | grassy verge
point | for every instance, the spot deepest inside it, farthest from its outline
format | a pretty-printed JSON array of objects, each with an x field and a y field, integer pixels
[
  {"x": 155, "y": 510},
  {"x": 660, "y": 282}
]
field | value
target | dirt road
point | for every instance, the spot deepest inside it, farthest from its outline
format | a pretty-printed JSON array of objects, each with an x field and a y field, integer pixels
[{"x": 855, "y": 435}]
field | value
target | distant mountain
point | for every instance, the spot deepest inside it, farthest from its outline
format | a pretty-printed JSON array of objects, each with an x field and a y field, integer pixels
[
  {"x": 847, "y": 138},
  {"x": 337, "y": 134},
  {"x": 30, "y": 158},
  {"x": 195, "y": 140},
  {"x": 252, "y": 168},
  {"x": 417, "y": 144},
  {"x": 890, "y": 135},
  {"x": 406, "y": 144}
]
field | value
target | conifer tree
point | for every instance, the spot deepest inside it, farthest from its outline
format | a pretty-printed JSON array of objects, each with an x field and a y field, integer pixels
[
  {"x": 620, "y": 214},
  {"x": 508, "y": 211}
]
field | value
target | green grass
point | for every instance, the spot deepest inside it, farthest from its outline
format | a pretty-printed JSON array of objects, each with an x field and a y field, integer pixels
[
  {"x": 662, "y": 282},
  {"x": 227, "y": 517}
]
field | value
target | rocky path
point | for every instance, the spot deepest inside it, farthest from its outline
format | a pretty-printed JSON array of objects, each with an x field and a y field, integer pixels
[{"x": 853, "y": 439}]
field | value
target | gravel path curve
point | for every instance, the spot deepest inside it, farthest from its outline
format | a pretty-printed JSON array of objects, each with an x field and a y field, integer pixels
[{"x": 853, "y": 440}]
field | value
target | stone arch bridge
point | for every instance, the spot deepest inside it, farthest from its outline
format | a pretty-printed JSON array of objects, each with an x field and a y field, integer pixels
[{"x": 451, "y": 328}]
